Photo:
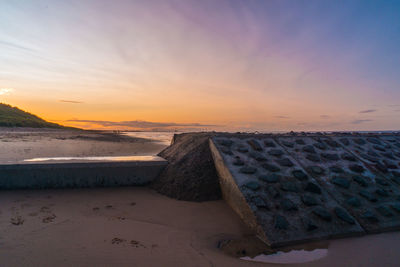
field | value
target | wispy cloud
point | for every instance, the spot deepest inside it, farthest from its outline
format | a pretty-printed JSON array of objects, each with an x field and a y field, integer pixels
[
  {"x": 282, "y": 117},
  {"x": 368, "y": 111},
  {"x": 14, "y": 45},
  {"x": 142, "y": 124},
  {"x": 6, "y": 91},
  {"x": 324, "y": 116},
  {"x": 71, "y": 101},
  {"x": 360, "y": 121}
]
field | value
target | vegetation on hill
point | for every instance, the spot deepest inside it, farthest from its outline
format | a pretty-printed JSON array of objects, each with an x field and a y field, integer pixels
[{"x": 14, "y": 117}]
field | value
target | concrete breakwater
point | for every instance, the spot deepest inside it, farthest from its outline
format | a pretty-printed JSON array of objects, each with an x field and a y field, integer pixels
[
  {"x": 288, "y": 188},
  {"x": 84, "y": 172},
  {"x": 296, "y": 188}
]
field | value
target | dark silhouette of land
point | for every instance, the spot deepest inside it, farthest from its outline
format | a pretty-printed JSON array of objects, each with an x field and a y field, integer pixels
[{"x": 15, "y": 117}]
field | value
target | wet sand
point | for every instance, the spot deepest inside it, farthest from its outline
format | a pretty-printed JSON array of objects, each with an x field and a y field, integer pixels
[
  {"x": 18, "y": 143},
  {"x": 138, "y": 227},
  {"x": 114, "y": 226}
]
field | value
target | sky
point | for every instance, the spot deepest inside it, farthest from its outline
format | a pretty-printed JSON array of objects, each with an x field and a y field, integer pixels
[{"x": 239, "y": 65}]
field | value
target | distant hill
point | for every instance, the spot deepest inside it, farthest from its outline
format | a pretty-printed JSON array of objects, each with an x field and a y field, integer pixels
[{"x": 14, "y": 117}]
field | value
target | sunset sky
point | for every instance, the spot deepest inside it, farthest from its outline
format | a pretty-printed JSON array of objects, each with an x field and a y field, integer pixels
[{"x": 229, "y": 65}]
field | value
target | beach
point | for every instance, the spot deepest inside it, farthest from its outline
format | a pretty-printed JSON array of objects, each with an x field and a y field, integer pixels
[
  {"x": 134, "y": 226},
  {"x": 113, "y": 226},
  {"x": 26, "y": 143},
  {"x": 138, "y": 227}
]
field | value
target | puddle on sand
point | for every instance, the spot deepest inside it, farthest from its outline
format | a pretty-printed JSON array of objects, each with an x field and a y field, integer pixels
[
  {"x": 251, "y": 248},
  {"x": 160, "y": 137},
  {"x": 105, "y": 158},
  {"x": 293, "y": 256}
]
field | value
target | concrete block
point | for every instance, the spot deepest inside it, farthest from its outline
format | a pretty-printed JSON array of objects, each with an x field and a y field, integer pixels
[
  {"x": 76, "y": 173},
  {"x": 273, "y": 193}
]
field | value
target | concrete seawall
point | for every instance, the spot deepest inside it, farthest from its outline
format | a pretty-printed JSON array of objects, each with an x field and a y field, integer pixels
[
  {"x": 296, "y": 188},
  {"x": 65, "y": 174}
]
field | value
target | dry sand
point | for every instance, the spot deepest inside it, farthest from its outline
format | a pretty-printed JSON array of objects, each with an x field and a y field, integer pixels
[
  {"x": 115, "y": 226},
  {"x": 138, "y": 227}
]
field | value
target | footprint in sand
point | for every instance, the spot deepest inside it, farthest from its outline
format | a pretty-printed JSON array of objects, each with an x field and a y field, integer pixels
[
  {"x": 17, "y": 220},
  {"x": 133, "y": 203},
  {"x": 109, "y": 206},
  {"x": 45, "y": 209},
  {"x": 95, "y": 208},
  {"x": 49, "y": 218},
  {"x": 113, "y": 218},
  {"x": 137, "y": 244},
  {"x": 133, "y": 243},
  {"x": 117, "y": 240},
  {"x": 25, "y": 205}
]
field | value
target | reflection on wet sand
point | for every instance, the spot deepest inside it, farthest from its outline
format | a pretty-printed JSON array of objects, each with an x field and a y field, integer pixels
[
  {"x": 251, "y": 248},
  {"x": 293, "y": 256},
  {"x": 105, "y": 158}
]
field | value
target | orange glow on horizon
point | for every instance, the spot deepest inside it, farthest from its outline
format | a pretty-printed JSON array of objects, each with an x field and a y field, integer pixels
[{"x": 241, "y": 67}]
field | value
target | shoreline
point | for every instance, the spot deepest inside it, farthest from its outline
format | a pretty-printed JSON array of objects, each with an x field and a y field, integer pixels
[{"x": 26, "y": 143}]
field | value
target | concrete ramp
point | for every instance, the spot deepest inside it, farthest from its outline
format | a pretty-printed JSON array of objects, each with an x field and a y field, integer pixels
[
  {"x": 78, "y": 172},
  {"x": 293, "y": 189}
]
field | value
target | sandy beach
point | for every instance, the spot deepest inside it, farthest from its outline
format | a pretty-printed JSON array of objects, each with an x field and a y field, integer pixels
[
  {"x": 138, "y": 227},
  {"x": 26, "y": 143},
  {"x": 133, "y": 226},
  {"x": 191, "y": 133},
  {"x": 103, "y": 227}
]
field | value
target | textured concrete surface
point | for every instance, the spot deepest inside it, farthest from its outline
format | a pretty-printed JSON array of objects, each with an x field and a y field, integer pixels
[
  {"x": 357, "y": 185},
  {"x": 65, "y": 174},
  {"x": 296, "y": 188}
]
